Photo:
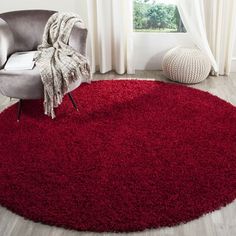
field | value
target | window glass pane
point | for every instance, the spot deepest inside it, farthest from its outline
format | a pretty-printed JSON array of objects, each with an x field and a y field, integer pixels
[{"x": 157, "y": 16}]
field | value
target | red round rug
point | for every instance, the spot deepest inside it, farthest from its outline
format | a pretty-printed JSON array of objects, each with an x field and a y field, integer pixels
[{"x": 137, "y": 155}]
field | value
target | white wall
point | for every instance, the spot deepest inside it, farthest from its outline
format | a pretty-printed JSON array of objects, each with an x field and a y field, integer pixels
[
  {"x": 149, "y": 48},
  {"x": 78, "y": 6},
  {"x": 233, "y": 69},
  {"x": 234, "y": 52}
]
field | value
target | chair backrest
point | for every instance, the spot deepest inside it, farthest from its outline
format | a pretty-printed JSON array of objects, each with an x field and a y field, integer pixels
[{"x": 27, "y": 27}]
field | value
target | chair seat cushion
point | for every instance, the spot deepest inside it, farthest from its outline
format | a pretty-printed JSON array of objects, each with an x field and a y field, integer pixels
[
  {"x": 25, "y": 84},
  {"x": 22, "y": 84}
]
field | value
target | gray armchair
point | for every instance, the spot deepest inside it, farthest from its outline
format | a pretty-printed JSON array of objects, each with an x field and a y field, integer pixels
[{"x": 23, "y": 31}]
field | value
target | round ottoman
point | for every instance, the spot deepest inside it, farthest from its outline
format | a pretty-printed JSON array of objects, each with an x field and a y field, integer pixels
[{"x": 186, "y": 65}]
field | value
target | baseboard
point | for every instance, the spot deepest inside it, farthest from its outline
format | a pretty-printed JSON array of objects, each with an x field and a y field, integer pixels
[{"x": 233, "y": 65}]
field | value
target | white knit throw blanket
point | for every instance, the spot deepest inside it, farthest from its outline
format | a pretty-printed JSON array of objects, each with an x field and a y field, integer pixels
[{"x": 59, "y": 64}]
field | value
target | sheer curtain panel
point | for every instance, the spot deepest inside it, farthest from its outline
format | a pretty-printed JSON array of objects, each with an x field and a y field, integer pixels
[
  {"x": 193, "y": 16},
  {"x": 110, "y": 24},
  {"x": 211, "y": 25}
]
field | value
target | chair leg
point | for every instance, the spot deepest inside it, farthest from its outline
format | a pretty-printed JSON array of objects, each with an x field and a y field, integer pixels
[
  {"x": 73, "y": 101},
  {"x": 19, "y": 109}
]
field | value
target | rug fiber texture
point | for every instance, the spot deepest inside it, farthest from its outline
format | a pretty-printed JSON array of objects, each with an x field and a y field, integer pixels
[{"x": 137, "y": 155}]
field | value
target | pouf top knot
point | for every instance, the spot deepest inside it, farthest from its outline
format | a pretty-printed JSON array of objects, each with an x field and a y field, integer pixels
[{"x": 186, "y": 65}]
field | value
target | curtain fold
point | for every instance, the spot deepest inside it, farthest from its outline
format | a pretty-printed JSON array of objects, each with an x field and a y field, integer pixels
[
  {"x": 221, "y": 28},
  {"x": 110, "y": 25},
  {"x": 211, "y": 25}
]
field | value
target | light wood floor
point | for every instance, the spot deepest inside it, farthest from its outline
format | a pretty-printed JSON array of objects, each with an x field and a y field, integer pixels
[{"x": 218, "y": 223}]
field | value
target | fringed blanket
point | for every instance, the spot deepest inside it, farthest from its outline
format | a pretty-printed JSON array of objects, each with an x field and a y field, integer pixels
[{"x": 59, "y": 64}]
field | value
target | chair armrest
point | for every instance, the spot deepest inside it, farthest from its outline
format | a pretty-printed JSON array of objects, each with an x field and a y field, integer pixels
[
  {"x": 6, "y": 42},
  {"x": 78, "y": 39}
]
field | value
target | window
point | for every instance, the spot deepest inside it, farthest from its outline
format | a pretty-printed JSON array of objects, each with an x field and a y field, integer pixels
[{"x": 157, "y": 16}]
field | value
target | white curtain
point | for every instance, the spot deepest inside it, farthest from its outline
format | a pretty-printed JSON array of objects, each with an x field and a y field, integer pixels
[
  {"x": 110, "y": 25},
  {"x": 211, "y": 25}
]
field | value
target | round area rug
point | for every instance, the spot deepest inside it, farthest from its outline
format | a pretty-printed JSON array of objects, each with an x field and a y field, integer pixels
[{"x": 137, "y": 155}]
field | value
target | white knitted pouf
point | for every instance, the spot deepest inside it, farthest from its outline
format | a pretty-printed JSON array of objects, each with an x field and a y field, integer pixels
[{"x": 186, "y": 65}]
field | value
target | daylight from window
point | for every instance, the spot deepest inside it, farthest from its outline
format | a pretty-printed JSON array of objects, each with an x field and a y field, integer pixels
[{"x": 157, "y": 16}]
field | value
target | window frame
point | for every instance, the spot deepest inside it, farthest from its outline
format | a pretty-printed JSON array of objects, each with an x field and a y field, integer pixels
[{"x": 154, "y": 30}]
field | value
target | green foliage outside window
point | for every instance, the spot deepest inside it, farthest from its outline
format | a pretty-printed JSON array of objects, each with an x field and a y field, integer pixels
[{"x": 158, "y": 17}]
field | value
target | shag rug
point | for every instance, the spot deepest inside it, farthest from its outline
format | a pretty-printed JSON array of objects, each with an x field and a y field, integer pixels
[{"x": 138, "y": 155}]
